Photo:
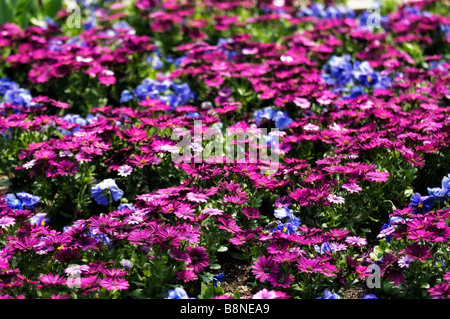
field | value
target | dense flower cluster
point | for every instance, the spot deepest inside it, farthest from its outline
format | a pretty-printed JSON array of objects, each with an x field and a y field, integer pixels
[{"x": 91, "y": 119}]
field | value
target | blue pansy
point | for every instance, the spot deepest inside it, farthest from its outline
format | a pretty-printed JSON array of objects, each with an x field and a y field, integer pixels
[
  {"x": 126, "y": 96},
  {"x": 162, "y": 86},
  {"x": 282, "y": 120},
  {"x": 363, "y": 72},
  {"x": 22, "y": 200},
  {"x": 18, "y": 96},
  {"x": 106, "y": 191},
  {"x": 329, "y": 295},
  {"x": 126, "y": 206},
  {"x": 178, "y": 293},
  {"x": 6, "y": 84},
  {"x": 155, "y": 62},
  {"x": 421, "y": 204},
  {"x": 28, "y": 200},
  {"x": 445, "y": 183},
  {"x": 13, "y": 201},
  {"x": 217, "y": 278},
  {"x": 170, "y": 100},
  {"x": 99, "y": 236},
  {"x": 338, "y": 70},
  {"x": 289, "y": 226},
  {"x": 265, "y": 113},
  {"x": 437, "y": 193},
  {"x": 39, "y": 219},
  {"x": 194, "y": 115},
  {"x": 324, "y": 248}
]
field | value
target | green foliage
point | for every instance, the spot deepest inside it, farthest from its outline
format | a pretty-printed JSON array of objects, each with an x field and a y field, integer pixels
[{"x": 24, "y": 12}]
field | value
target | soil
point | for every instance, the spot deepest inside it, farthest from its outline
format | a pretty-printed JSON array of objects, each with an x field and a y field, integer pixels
[{"x": 238, "y": 276}]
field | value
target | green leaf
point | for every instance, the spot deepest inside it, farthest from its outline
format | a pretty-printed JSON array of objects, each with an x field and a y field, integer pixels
[
  {"x": 215, "y": 266},
  {"x": 51, "y": 7},
  {"x": 222, "y": 249},
  {"x": 205, "y": 291},
  {"x": 383, "y": 245},
  {"x": 256, "y": 251},
  {"x": 218, "y": 291},
  {"x": 409, "y": 191},
  {"x": 239, "y": 256},
  {"x": 7, "y": 10},
  {"x": 138, "y": 294}
]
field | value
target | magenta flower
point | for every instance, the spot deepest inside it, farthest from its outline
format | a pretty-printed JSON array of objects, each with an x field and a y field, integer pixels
[
  {"x": 356, "y": 241},
  {"x": 199, "y": 258},
  {"x": 419, "y": 252},
  {"x": 352, "y": 187},
  {"x": 440, "y": 291},
  {"x": 186, "y": 275},
  {"x": 52, "y": 280},
  {"x": 309, "y": 265},
  {"x": 281, "y": 280},
  {"x": 6, "y": 222},
  {"x": 197, "y": 197},
  {"x": 329, "y": 270},
  {"x": 420, "y": 234},
  {"x": 64, "y": 167},
  {"x": 140, "y": 237},
  {"x": 265, "y": 268},
  {"x": 338, "y": 234},
  {"x": 377, "y": 176},
  {"x": 112, "y": 283},
  {"x": 269, "y": 294}
]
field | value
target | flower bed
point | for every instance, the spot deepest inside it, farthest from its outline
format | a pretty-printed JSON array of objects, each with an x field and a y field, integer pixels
[{"x": 239, "y": 150}]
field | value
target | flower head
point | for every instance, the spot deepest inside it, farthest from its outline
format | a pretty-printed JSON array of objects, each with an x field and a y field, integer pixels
[
  {"x": 177, "y": 293},
  {"x": 329, "y": 295},
  {"x": 106, "y": 191},
  {"x": 265, "y": 267},
  {"x": 114, "y": 283}
]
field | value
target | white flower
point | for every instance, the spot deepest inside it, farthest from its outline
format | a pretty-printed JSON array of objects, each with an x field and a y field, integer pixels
[
  {"x": 134, "y": 219},
  {"x": 169, "y": 148},
  {"x": 336, "y": 199},
  {"x": 6, "y": 222},
  {"x": 286, "y": 58},
  {"x": 29, "y": 164},
  {"x": 65, "y": 153},
  {"x": 404, "y": 261},
  {"x": 212, "y": 211},
  {"x": 125, "y": 170},
  {"x": 281, "y": 212},
  {"x": 311, "y": 127},
  {"x": 73, "y": 270}
]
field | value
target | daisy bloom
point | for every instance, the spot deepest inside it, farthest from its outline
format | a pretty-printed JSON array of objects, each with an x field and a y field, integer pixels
[
  {"x": 125, "y": 170},
  {"x": 76, "y": 269},
  {"x": 352, "y": 187},
  {"x": 265, "y": 294},
  {"x": 335, "y": 199},
  {"x": 264, "y": 268},
  {"x": 197, "y": 197},
  {"x": 356, "y": 241},
  {"x": 6, "y": 222},
  {"x": 212, "y": 211},
  {"x": 404, "y": 261},
  {"x": 29, "y": 164},
  {"x": 114, "y": 283}
]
